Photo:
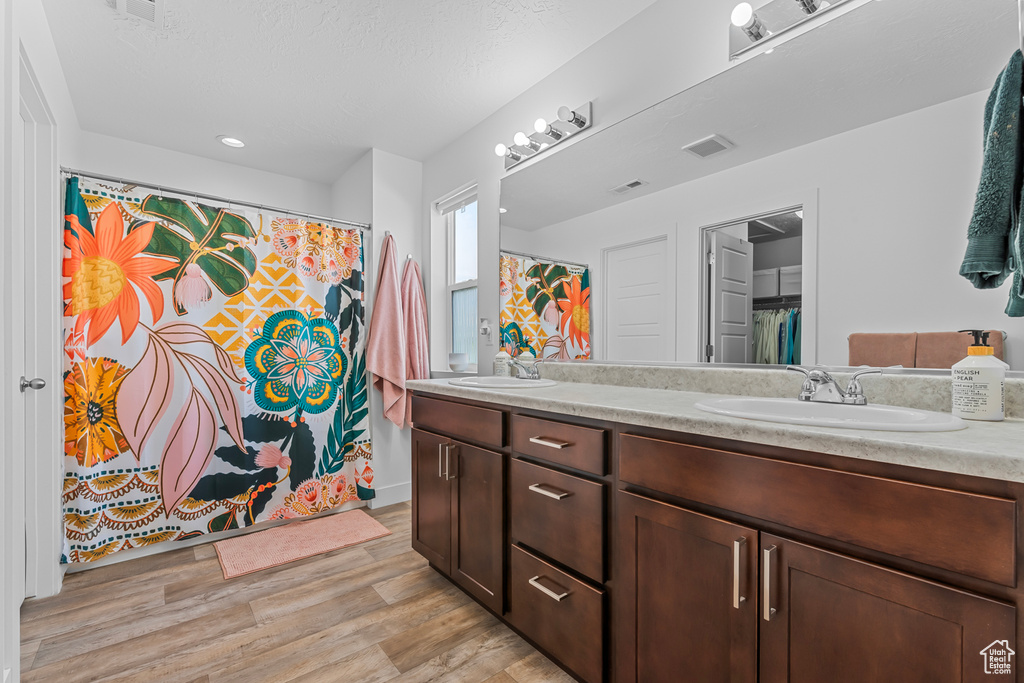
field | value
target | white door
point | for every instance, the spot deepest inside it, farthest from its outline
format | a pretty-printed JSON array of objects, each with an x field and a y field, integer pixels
[
  {"x": 12, "y": 401},
  {"x": 640, "y": 301},
  {"x": 731, "y": 305},
  {"x": 43, "y": 451}
]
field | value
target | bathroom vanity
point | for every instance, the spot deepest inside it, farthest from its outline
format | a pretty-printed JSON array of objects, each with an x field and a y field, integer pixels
[{"x": 633, "y": 538}]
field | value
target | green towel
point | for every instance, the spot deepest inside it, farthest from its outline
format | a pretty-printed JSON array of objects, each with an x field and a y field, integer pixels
[{"x": 992, "y": 238}]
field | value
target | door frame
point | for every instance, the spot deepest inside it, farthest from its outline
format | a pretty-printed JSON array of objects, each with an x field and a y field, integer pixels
[
  {"x": 671, "y": 281},
  {"x": 43, "y": 466},
  {"x": 806, "y": 201}
]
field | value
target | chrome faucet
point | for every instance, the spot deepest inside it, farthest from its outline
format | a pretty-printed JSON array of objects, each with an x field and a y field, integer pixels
[
  {"x": 821, "y": 387},
  {"x": 523, "y": 371}
]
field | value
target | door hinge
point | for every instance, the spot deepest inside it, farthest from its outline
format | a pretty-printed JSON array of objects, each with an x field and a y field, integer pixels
[
  {"x": 711, "y": 258},
  {"x": 709, "y": 350}
]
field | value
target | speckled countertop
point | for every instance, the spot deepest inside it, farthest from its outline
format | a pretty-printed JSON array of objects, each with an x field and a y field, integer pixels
[{"x": 985, "y": 449}]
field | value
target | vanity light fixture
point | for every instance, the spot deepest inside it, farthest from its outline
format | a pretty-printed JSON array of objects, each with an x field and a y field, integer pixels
[
  {"x": 743, "y": 17},
  {"x": 571, "y": 117},
  {"x": 509, "y": 154},
  {"x": 545, "y": 135},
  {"x": 749, "y": 30},
  {"x": 528, "y": 144},
  {"x": 542, "y": 127},
  {"x": 230, "y": 141}
]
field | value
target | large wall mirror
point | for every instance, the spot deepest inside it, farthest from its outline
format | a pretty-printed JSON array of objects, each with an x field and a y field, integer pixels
[{"x": 843, "y": 193}]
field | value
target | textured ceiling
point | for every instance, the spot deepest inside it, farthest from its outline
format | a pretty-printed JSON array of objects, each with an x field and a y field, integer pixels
[
  {"x": 310, "y": 85},
  {"x": 880, "y": 60}
]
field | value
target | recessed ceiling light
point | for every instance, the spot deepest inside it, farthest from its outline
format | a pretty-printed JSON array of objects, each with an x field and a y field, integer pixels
[{"x": 230, "y": 141}]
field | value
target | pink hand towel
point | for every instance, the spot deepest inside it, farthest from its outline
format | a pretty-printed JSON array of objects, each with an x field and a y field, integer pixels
[
  {"x": 385, "y": 342},
  {"x": 414, "y": 307}
]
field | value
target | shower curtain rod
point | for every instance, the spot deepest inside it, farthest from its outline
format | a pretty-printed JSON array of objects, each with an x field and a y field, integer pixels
[
  {"x": 545, "y": 259},
  {"x": 67, "y": 172}
]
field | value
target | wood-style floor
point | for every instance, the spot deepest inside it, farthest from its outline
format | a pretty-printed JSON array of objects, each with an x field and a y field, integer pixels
[{"x": 373, "y": 612}]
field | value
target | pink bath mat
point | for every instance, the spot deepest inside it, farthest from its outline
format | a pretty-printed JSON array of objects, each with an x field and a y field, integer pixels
[{"x": 295, "y": 541}]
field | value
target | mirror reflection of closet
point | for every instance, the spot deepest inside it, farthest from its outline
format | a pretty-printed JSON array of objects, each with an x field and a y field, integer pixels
[{"x": 752, "y": 289}]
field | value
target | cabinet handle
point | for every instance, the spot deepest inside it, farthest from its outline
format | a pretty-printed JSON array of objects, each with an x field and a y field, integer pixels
[
  {"x": 440, "y": 447},
  {"x": 557, "y": 597},
  {"x": 767, "y": 573},
  {"x": 550, "y": 443},
  {"x": 536, "y": 488},
  {"x": 448, "y": 464},
  {"x": 737, "y": 548}
]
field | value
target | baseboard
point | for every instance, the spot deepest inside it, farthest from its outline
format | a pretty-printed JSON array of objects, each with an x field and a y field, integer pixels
[{"x": 389, "y": 495}]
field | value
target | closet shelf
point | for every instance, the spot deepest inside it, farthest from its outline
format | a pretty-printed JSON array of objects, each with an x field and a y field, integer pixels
[{"x": 766, "y": 302}]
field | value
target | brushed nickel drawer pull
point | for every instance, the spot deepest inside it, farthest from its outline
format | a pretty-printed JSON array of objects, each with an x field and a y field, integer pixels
[
  {"x": 550, "y": 443},
  {"x": 767, "y": 571},
  {"x": 536, "y": 488},
  {"x": 737, "y": 548},
  {"x": 440, "y": 473},
  {"x": 557, "y": 597}
]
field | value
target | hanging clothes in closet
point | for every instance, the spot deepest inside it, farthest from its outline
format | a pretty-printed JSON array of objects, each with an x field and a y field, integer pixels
[{"x": 777, "y": 336}]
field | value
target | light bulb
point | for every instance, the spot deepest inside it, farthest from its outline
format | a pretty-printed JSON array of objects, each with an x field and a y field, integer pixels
[
  {"x": 540, "y": 125},
  {"x": 742, "y": 14},
  {"x": 564, "y": 113},
  {"x": 521, "y": 139},
  {"x": 500, "y": 149},
  {"x": 502, "y": 210},
  {"x": 230, "y": 142}
]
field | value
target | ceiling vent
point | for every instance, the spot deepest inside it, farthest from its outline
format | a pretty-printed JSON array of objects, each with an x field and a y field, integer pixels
[
  {"x": 708, "y": 146},
  {"x": 626, "y": 187},
  {"x": 148, "y": 11}
]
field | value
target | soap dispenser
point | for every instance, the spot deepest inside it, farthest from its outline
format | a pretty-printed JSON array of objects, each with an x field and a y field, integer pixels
[{"x": 979, "y": 382}]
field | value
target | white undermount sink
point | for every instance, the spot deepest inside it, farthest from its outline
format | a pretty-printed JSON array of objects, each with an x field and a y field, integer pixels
[
  {"x": 793, "y": 411},
  {"x": 501, "y": 382}
]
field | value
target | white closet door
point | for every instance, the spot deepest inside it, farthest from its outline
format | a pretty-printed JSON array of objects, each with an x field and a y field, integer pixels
[
  {"x": 639, "y": 295},
  {"x": 732, "y": 285}
]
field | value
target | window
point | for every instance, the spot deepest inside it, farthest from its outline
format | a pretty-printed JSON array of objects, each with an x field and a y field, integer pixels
[{"x": 462, "y": 277}]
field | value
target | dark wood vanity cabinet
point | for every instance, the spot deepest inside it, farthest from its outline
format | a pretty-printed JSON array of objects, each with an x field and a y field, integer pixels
[
  {"x": 458, "y": 496},
  {"x": 828, "y": 617},
  {"x": 642, "y": 555},
  {"x": 702, "y": 598},
  {"x": 686, "y": 595}
]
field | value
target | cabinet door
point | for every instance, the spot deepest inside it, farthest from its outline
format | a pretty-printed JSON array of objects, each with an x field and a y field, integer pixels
[
  {"x": 686, "y": 596},
  {"x": 833, "y": 618},
  {"x": 431, "y": 500},
  {"x": 478, "y": 485}
]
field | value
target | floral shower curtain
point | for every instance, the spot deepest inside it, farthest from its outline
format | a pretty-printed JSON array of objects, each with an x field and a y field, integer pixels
[
  {"x": 215, "y": 374},
  {"x": 544, "y": 308}
]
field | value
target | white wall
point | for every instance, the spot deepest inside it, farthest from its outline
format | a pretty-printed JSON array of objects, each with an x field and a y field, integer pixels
[
  {"x": 667, "y": 48},
  {"x": 397, "y": 202},
  {"x": 894, "y": 202},
  {"x": 352, "y": 193},
  {"x": 385, "y": 190}
]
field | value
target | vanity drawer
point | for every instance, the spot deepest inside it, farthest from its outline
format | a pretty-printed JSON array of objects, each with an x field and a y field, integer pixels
[
  {"x": 560, "y": 614},
  {"x": 558, "y": 515},
  {"x": 473, "y": 423},
  {"x": 967, "y": 533},
  {"x": 581, "y": 448}
]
